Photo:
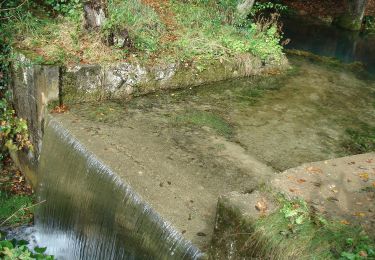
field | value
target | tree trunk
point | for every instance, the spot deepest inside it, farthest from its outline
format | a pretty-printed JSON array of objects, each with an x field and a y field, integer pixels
[
  {"x": 352, "y": 20},
  {"x": 244, "y": 8},
  {"x": 357, "y": 8},
  {"x": 96, "y": 12}
]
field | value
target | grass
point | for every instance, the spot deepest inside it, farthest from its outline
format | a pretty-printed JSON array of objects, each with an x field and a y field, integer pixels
[
  {"x": 159, "y": 30},
  {"x": 311, "y": 238},
  {"x": 360, "y": 139},
  {"x": 208, "y": 119},
  {"x": 9, "y": 204},
  {"x": 297, "y": 232}
]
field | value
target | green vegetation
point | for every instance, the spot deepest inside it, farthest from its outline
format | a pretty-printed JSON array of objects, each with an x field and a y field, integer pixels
[
  {"x": 208, "y": 119},
  {"x": 52, "y": 32},
  {"x": 360, "y": 140},
  {"x": 301, "y": 233},
  {"x": 369, "y": 22},
  {"x": 15, "y": 206},
  {"x": 12, "y": 250},
  {"x": 13, "y": 130}
]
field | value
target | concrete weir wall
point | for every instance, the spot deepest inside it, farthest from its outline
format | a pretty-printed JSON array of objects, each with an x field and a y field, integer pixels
[{"x": 37, "y": 87}]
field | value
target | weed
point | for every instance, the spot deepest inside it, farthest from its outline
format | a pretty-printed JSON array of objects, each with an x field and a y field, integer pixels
[
  {"x": 297, "y": 232},
  {"x": 11, "y": 204},
  {"x": 202, "y": 118},
  {"x": 360, "y": 140}
]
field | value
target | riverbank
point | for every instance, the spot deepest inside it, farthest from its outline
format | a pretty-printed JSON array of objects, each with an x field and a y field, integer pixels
[{"x": 16, "y": 197}]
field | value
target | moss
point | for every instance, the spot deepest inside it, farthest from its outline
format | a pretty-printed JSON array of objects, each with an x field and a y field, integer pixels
[
  {"x": 360, "y": 139},
  {"x": 348, "y": 22},
  {"x": 208, "y": 119},
  {"x": 329, "y": 61}
]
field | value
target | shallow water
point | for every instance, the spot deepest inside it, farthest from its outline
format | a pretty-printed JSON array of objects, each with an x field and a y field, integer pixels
[
  {"x": 218, "y": 132},
  {"x": 283, "y": 120}
]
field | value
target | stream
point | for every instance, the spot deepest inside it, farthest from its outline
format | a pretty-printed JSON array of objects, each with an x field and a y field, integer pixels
[{"x": 216, "y": 133}]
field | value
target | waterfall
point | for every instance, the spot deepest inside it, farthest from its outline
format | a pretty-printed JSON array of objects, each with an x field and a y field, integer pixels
[{"x": 90, "y": 213}]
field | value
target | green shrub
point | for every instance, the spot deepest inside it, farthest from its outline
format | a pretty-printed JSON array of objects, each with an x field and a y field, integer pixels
[{"x": 12, "y": 250}]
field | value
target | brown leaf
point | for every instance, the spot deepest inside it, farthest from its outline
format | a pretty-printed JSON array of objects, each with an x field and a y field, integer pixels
[
  {"x": 345, "y": 222},
  {"x": 369, "y": 160},
  {"x": 359, "y": 214},
  {"x": 301, "y": 181},
  {"x": 261, "y": 206},
  {"x": 363, "y": 253},
  {"x": 364, "y": 176},
  {"x": 312, "y": 169}
]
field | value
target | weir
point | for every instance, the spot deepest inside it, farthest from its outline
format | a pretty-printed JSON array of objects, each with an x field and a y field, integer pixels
[{"x": 90, "y": 213}]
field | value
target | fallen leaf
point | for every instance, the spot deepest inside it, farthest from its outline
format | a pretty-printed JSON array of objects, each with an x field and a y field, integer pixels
[
  {"x": 261, "y": 206},
  {"x": 312, "y": 169},
  {"x": 360, "y": 214},
  {"x": 345, "y": 222},
  {"x": 373, "y": 184},
  {"x": 369, "y": 160},
  {"x": 301, "y": 181},
  {"x": 364, "y": 176},
  {"x": 350, "y": 163},
  {"x": 363, "y": 253}
]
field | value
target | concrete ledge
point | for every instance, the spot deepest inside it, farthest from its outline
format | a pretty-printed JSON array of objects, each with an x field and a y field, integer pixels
[{"x": 235, "y": 218}]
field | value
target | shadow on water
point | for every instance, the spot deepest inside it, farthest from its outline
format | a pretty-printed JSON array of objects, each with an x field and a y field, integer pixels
[{"x": 330, "y": 41}]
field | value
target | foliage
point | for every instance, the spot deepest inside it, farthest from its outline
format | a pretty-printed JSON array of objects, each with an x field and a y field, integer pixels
[
  {"x": 13, "y": 249},
  {"x": 206, "y": 33},
  {"x": 300, "y": 232},
  {"x": 17, "y": 204},
  {"x": 260, "y": 7},
  {"x": 65, "y": 7},
  {"x": 13, "y": 130},
  {"x": 369, "y": 22}
]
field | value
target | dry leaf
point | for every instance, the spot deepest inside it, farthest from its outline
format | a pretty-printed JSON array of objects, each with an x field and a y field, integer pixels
[
  {"x": 369, "y": 160},
  {"x": 261, "y": 206},
  {"x": 312, "y": 169},
  {"x": 373, "y": 184},
  {"x": 345, "y": 222},
  {"x": 364, "y": 176},
  {"x": 363, "y": 253},
  {"x": 301, "y": 181},
  {"x": 360, "y": 214}
]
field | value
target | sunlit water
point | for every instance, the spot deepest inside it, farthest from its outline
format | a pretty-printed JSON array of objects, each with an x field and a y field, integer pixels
[
  {"x": 90, "y": 213},
  {"x": 283, "y": 120}
]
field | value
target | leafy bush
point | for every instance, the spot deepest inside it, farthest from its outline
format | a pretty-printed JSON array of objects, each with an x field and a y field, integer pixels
[
  {"x": 12, "y": 250},
  {"x": 13, "y": 130}
]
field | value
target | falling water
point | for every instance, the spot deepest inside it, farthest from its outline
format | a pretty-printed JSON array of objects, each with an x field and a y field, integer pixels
[{"x": 92, "y": 214}]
